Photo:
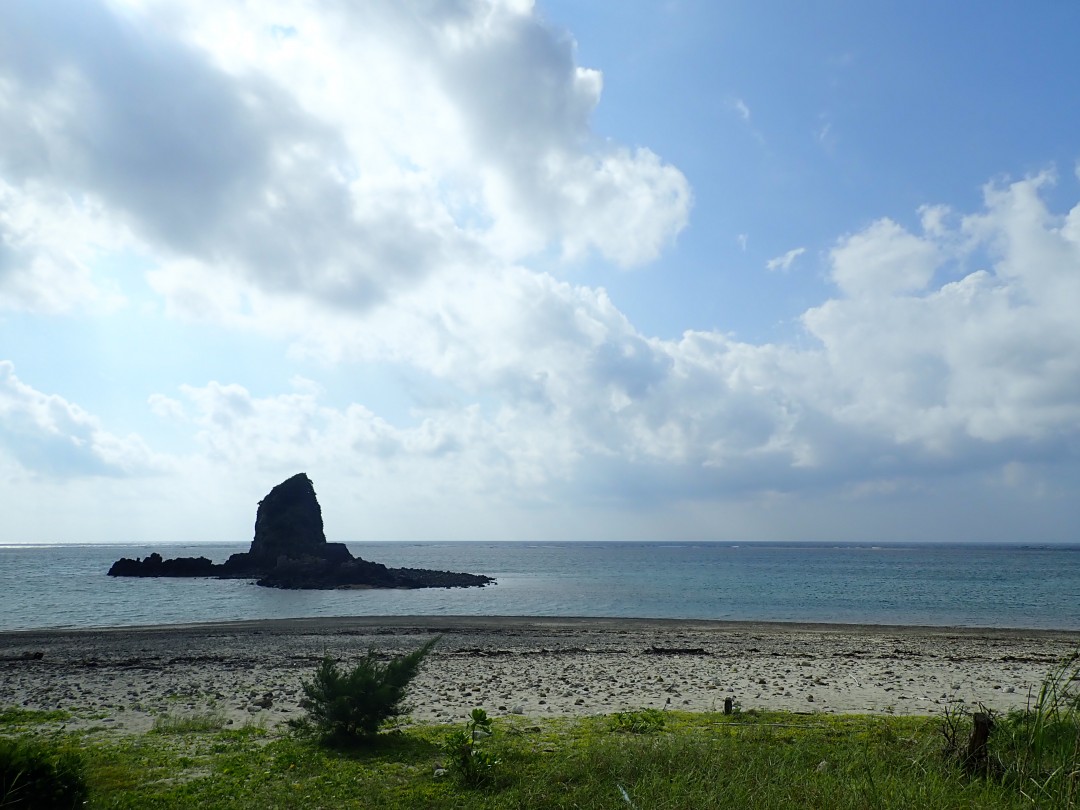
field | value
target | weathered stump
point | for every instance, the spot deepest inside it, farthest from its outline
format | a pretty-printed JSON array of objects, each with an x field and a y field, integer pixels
[{"x": 978, "y": 756}]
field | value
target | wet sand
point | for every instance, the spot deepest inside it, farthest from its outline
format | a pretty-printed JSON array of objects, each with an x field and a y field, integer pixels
[{"x": 251, "y": 672}]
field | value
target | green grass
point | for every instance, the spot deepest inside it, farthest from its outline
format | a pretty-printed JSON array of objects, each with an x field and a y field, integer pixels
[
  {"x": 39, "y": 772},
  {"x": 193, "y": 723},
  {"x": 1037, "y": 751},
  {"x": 15, "y": 718},
  {"x": 695, "y": 760},
  {"x": 642, "y": 721}
]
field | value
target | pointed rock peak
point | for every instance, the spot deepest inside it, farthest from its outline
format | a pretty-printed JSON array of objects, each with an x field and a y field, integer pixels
[{"x": 289, "y": 522}]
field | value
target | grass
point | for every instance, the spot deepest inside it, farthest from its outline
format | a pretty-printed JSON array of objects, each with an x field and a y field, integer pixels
[
  {"x": 635, "y": 760},
  {"x": 695, "y": 760},
  {"x": 193, "y": 723},
  {"x": 1037, "y": 751},
  {"x": 642, "y": 721},
  {"x": 15, "y": 718}
]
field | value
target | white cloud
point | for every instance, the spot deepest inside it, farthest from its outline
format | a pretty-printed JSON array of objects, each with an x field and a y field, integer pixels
[
  {"x": 783, "y": 263},
  {"x": 991, "y": 357},
  {"x": 49, "y": 243},
  {"x": 453, "y": 449},
  {"x": 883, "y": 259},
  {"x": 905, "y": 378},
  {"x": 50, "y": 437},
  {"x": 372, "y": 147}
]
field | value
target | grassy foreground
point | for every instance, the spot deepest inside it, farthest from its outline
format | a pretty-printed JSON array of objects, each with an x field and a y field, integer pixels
[{"x": 745, "y": 760}]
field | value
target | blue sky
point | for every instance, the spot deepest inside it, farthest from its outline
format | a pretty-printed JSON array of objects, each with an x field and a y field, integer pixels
[{"x": 565, "y": 270}]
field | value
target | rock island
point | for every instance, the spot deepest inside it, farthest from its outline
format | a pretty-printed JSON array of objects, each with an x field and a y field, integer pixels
[{"x": 290, "y": 551}]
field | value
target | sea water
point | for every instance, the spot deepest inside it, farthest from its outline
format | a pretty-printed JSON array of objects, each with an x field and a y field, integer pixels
[{"x": 944, "y": 585}]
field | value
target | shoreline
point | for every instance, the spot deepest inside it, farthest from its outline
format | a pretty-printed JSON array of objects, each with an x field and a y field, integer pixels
[
  {"x": 250, "y": 671},
  {"x": 320, "y": 623}
]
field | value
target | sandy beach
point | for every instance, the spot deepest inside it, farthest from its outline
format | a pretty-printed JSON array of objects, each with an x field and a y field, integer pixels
[{"x": 251, "y": 671}]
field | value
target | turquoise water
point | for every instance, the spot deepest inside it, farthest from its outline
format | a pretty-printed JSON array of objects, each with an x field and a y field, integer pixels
[{"x": 962, "y": 585}]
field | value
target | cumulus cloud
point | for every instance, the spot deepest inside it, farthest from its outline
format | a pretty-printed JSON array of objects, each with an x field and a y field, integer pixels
[
  {"x": 903, "y": 376},
  {"x": 371, "y": 147},
  {"x": 883, "y": 259},
  {"x": 455, "y": 448},
  {"x": 48, "y": 436},
  {"x": 992, "y": 356}
]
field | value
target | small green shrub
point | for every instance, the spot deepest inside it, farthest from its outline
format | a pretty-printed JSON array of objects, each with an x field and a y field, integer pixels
[
  {"x": 466, "y": 757},
  {"x": 642, "y": 721},
  {"x": 348, "y": 706},
  {"x": 37, "y": 774}
]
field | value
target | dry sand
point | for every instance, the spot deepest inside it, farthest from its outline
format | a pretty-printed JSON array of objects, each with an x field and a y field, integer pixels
[{"x": 251, "y": 671}]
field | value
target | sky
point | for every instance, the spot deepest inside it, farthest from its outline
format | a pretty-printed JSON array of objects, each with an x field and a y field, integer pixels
[{"x": 564, "y": 270}]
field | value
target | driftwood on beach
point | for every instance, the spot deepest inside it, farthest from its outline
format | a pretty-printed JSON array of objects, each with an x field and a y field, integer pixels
[{"x": 290, "y": 551}]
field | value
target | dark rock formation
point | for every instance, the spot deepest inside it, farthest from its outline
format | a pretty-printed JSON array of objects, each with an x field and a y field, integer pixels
[
  {"x": 288, "y": 522},
  {"x": 290, "y": 551},
  {"x": 155, "y": 566}
]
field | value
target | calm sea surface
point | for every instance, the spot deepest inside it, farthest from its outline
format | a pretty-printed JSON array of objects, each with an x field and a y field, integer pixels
[{"x": 965, "y": 585}]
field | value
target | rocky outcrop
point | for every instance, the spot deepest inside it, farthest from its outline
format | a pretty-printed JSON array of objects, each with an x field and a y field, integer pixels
[
  {"x": 288, "y": 522},
  {"x": 288, "y": 527},
  {"x": 155, "y": 566},
  {"x": 290, "y": 551}
]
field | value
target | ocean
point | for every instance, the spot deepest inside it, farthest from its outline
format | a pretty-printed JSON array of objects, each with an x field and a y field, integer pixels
[{"x": 65, "y": 586}]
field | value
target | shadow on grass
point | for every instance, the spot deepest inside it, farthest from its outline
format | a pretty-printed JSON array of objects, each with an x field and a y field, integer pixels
[{"x": 391, "y": 746}]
